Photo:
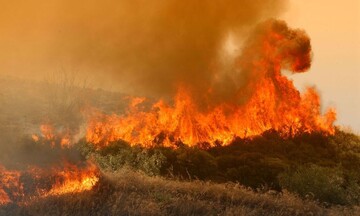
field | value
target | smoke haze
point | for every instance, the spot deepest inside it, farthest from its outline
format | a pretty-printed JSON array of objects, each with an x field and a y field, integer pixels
[
  {"x": 139, "y": 47},
  {"x": 143, "y": 47}
]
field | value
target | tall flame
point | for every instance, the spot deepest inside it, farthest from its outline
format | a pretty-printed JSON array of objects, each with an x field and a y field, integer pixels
[
  {"x": 184, "y": 123},
  {"x": 272, "y": 101}
]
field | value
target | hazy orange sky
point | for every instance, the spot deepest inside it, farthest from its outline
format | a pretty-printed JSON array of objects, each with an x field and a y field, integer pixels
[
  {"x": 334, "y": 29},
  {"x": 38, "y": 35}
]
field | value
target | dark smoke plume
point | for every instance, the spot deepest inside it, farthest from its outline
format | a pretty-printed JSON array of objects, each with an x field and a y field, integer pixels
[
  {"x": 144, "y": 47},
  {"x": 137, "y": 46}
]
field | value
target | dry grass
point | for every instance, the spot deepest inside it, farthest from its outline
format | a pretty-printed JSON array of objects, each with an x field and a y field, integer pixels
[{"x": 130, "y": 193}]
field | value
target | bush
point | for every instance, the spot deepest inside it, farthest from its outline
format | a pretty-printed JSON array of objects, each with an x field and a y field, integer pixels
[
  {"x": 150, "y": 161},
  {"x": 195, "y": 163},
  {"x": 322, "y": 183},
  {"x": 119, "y": 154},
  {"x": 267, "y": 160}
]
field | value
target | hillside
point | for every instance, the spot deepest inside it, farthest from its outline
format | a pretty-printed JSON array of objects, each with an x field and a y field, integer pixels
[
  {"x": 267, "y": 174},
  {"x": 131, "y": 193}
]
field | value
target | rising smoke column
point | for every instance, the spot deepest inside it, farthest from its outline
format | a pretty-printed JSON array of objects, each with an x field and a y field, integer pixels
[
  {"x": 273, "y": 47},
  {"x": 143, "y": 47},
  {"x": 267, "y": 100}
]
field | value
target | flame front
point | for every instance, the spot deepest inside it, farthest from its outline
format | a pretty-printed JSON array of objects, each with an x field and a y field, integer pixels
[
  {"x": 42, "y": 182},
  {"x": 21, "y": 186},
  {"x": 73, "y": 180},
  {"x": 272, "y": 101},
  {"x": 55, "y": 137},
  {"x": 184, "y": 123},
  {"x": 10, "y": 186}
]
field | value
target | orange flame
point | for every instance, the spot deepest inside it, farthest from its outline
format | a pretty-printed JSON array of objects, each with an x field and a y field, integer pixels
[
  {"x": 184, "y": 123},
  {"x": 74, "y": 180},
  {"x": 10, "y": 186},
  {"x": 4, "y": 198},
  {"x": 59, "y": 138},
  {"x": 53, "y": 182},
  {"x": 272, "y": 101}
]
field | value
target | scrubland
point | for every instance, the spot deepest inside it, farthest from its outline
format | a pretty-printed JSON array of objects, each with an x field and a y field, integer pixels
[
  {"x": 132, "y": 193},
  {"x": 310, "y": 174}
]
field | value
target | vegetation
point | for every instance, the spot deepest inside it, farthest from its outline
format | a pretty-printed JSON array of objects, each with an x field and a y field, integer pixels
[
  {"x": 309, "y": 174},
  {"x": 323, "y": 168},
  {"x": 131, "y": 193}
]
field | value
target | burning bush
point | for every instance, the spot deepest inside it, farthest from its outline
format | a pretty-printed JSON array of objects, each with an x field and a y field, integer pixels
[
  {"x": 265, "y": 161},
  {"x": 269, "y": 101},
  {"x": 48, "y": 168}
]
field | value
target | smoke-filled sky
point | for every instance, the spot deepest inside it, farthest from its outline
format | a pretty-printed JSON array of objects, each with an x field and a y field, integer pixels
[
  {"x": 334, "y": 29},
  {"x": 149, "y": 47},
  {"x": 142, "y": 45}
]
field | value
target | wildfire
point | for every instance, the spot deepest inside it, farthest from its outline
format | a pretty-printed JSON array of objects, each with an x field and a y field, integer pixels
[
  {"x": 41, "y": 182},
  {"x": 21, "y": 186},
  {"x": 4, "y": 198},
  {"x": 73, "y": 180},
  {"x": 9, "y": 183},
  {"x": 59, "y": 138},
  {"x": 10, "y": 186},
  {"x": 272, "y": 101}
]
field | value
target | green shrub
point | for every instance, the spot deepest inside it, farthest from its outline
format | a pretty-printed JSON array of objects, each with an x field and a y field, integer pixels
[
  {"x": 195, "y": 163},
  {"x": 254, "y": 162},
  {"x": 322, "y": 183},
  {"x": 150, "y": 161},
  {"x": 119, "y": 154}
]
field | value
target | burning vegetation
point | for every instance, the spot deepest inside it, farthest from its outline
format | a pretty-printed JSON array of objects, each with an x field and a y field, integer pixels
[
  {"x": 205, "y": 118},
  {"x": 268, "y": 101},
  {"x": 22, "y": 186}
]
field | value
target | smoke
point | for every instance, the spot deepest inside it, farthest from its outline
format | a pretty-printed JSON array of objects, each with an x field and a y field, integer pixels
[
  {"x": 137, "y": 46},
  {"x": 270, "y": 47},
  {"x": 143, "y": 47}
]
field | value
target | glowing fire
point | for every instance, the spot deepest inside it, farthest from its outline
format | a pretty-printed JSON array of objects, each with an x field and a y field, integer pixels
[
  {"x": 21, "y": 186},
  {"x": 59, "y": 138},
  {"x": 73, "y": 180},
  {"x": 183, "y": 122},
  {"x": 9, "y": 183},
  {"x": 272, "y": 102},
  {"x": 4, "y": 198},
  {"x": 45, "y": 182}
]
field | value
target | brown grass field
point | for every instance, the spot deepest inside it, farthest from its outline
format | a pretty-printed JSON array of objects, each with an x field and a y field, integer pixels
[{"x": 132, "y": 193}]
